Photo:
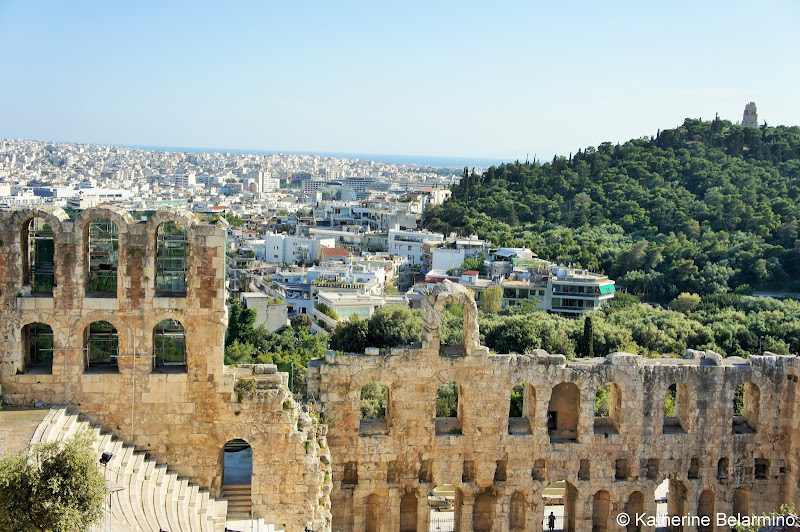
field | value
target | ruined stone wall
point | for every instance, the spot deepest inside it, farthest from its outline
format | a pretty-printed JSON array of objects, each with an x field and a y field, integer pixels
[
  {"x": 383, "y": 471},
  {"x": 182, "y": 415}
]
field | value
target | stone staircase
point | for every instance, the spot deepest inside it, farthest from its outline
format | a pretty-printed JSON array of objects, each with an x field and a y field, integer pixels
[
  {"x": 239, "y": 500},
  {"x": 151, "y": 498}
]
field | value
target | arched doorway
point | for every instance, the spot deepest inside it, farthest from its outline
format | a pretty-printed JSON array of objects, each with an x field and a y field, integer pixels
[
  {"x": 444, "y": 502},
  {"x": 559, "y": 506},
  {"x": 237, "y": 476}
]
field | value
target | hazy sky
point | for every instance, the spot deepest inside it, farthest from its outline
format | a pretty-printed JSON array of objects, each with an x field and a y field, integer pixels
[{"x": 483, "y": 79}]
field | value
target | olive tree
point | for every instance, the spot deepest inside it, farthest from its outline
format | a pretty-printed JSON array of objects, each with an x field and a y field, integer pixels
[{"x": 55, "y": 487}]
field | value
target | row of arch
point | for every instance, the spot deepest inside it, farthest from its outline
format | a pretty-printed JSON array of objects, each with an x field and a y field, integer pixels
[
  {"x": 101, "y": 345},
  {"x": 558, "y": 509},
  {"x": 565, "y": 406},
  {"x": 101, "y": 238}
]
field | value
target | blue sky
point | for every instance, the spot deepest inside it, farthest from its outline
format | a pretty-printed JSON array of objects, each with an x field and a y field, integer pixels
[{"x": 483, "y": 79}]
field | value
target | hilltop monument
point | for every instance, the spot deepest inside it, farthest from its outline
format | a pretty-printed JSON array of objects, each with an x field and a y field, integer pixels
[{"x": 750, "y": 118}]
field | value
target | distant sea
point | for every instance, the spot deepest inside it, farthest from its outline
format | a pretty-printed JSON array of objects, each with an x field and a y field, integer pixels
[{"x": 422, "y": 160}]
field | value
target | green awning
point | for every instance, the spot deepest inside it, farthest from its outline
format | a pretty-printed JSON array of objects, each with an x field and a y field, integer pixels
[{"x": 607, "y": 289}]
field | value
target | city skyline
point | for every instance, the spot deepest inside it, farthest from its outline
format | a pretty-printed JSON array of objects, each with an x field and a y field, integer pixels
[{"x": 510, "y": 81}]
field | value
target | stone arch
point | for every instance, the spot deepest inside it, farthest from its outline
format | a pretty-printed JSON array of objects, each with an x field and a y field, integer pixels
[
  {"x": 483, "y": 512},
  {"x": 38, "y": 238},
  {"x": 121, "y": 219},
  {"x": 563, "y": 412},
  {"x": 445, "y": 496},
  {"x": 440, "y": 296},
  {"x": 746, "y": 408},
  {"x": 517, "y": 512},
  {"x": 741, "y": 502},
  {"x": 706, "y": 505},
  {"x": 601, "y": 511},
  {"x": 101, "y": 346},
  {"x": 408, "y": 512},
  {"x": 560, "y": 493},
  {"x": 521, "y": 409},
  {"x": 237, "y": 465},
  {"x": 119, "y": 216},
  {"x": 170, "y": 215},
  {"x": 722, "y": 468},
  {"x": 169, "y": 343},
  {"x": 608, "y": 408},
  {"x": 170, "y": 251},
  {"x": 634, "y": 506},
  {"x": 37, "y": 343}
]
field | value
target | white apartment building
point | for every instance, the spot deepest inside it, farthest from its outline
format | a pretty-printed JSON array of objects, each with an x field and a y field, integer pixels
[
  {"x": 409, "y": 244},
  {"x": 290, "y": 249}
]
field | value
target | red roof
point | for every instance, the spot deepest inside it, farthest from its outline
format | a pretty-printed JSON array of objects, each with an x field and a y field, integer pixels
[
  {"x": 335, "y": 252},
  {"x": 471, "y": 272}
]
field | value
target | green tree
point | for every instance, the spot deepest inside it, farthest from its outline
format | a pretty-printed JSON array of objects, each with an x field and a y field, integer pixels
[
  {"x": 56, "y": 487},
  {"x": 587, "y": 341},
  {"x": 240, "y": 323},
  {"x": 350, "y": 336},
  {"x": 233, "y": 219},
  {"x": 447, "y": 400},
  {"x": 601, "y": 400},
  {"x": 685, "y": 302},
  {"x": 301, "y": 320},
  {"x": 395, "y": 325},
  {"x": 240, "y": 353},
  {"x": 492, "y": 299},
  {"x": 373, "y": 401}
]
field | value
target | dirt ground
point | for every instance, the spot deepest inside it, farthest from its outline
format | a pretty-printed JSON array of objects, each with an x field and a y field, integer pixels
[{"x": 17, "y": 425}]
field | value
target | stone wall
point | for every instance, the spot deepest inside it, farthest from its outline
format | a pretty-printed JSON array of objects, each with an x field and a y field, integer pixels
[
  {"x": 381, "y": 479},
  {"x": 182, "y": 415}
]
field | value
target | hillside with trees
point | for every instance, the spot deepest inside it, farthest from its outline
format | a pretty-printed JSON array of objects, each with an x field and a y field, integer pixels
[{"x": 705, "y": 208}]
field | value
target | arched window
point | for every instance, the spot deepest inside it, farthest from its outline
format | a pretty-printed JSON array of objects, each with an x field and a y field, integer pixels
[
  {"x": 373, "y": 403},
  {"x": 101, "y": 345},
  {"x": 722, "y": 469},
  {"x": 172, "y": 260},
  {"x": 102, "y": 239},
  {"x": 169, "y": 343},
  {"x": 607, "y": 407},
  {"x": 448, "y": 413},
  {"x": 39, "y": 256},
  {"x": 37, "y": 346},
  {"x": 563, "y": 412}
]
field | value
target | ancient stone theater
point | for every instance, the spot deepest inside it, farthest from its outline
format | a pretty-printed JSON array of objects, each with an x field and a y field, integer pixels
[{"x": 117, "y": 323}]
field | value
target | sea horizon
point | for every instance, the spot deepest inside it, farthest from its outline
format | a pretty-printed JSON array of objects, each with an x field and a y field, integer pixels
[{"x": 439, "y": 161}]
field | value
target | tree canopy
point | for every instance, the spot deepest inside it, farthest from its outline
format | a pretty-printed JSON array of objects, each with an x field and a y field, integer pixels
[
  {"x": 56, "y": 487},
  {"x": 704, "y": 208}
]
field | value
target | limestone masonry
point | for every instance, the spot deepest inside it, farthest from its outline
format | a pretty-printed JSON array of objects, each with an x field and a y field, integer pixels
[{"x": 104, "y": 349}]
